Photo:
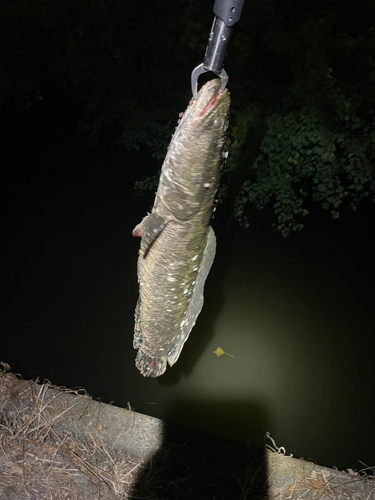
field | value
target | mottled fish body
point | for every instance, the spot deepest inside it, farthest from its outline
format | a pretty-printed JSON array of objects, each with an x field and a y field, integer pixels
[{"x": 178, "y": 244}]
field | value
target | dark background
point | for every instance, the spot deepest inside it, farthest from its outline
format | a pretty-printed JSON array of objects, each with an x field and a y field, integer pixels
[{"x": 297, "y": 314}]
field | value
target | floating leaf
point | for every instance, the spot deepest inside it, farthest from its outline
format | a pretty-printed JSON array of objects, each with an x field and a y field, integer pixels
[{"x": 219, "y": 352}]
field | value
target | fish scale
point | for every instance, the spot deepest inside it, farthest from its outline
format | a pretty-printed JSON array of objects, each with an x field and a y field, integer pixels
[{"x": 177, "y": 244}]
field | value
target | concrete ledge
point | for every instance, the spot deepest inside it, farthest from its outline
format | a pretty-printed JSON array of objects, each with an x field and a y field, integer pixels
[
  {"x": 122, "y": 429},
  {"x": 102, "y": 451},
  {"x": 289, "y": 479}
]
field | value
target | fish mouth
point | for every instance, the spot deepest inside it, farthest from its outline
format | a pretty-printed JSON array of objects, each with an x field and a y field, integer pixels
[
  {"x": 209, "y": 99},
  {"x": 211, "y": 103},
  {"x": 212, "y": 95}
]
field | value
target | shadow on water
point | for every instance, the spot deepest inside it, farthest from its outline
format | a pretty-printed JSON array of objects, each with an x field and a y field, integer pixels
[
  {"x": 191, "y": 464},
  {"x": 198, "y": 340}
]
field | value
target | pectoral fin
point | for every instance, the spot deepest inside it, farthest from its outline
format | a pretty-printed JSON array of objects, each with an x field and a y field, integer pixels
[
  {"x": 149, "y": 229},
  {"x": 196, "y": 302}
]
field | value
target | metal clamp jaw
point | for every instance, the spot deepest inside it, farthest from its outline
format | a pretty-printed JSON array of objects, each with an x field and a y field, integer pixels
[{"x": 227, "y": 13}]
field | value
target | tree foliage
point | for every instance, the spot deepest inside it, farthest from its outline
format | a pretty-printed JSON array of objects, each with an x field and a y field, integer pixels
[
  {"x": 319, "y": 139},
  {"x": 301, "y": 78}
]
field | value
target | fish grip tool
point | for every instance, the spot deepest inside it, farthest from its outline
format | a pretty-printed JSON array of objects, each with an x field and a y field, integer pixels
[{"x": 227, "y": 13}]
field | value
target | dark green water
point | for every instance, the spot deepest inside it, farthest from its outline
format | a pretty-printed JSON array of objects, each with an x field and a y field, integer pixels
[{"x": 296, "y": 314}]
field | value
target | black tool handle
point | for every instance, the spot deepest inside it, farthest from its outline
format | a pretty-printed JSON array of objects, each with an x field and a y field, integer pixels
[{"x": 228, "y": 11}]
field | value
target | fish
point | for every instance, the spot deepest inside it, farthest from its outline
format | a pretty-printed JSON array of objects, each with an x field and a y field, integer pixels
[{"x": 178, "y": 244}]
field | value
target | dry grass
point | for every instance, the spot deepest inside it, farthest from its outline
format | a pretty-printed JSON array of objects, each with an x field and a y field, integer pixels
[
  {"x": 290, "y": 479},
  {"x": 36, "y": 461},
  {"x": 45, "y": 453}
]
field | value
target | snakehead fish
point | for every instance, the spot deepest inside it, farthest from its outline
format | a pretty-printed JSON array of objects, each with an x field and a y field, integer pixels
[{"x": 177, "y": 243}]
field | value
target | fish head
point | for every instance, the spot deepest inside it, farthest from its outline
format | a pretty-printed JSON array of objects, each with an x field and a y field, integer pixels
[
  {"x": 210, "y": 108},
  {"x": 191, "y": 171}
]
